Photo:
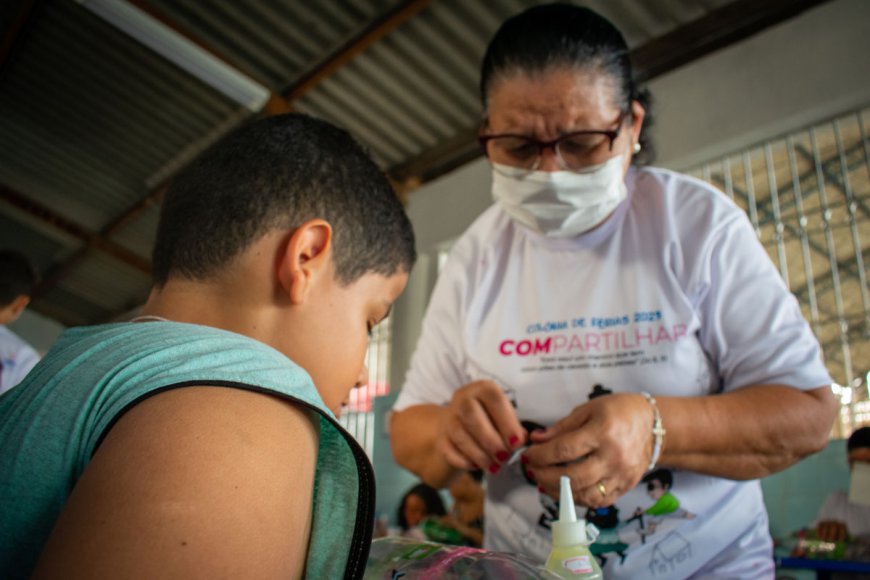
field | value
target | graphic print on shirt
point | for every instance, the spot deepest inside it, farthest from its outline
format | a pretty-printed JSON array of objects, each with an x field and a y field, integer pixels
[
  {"x": 650, "y": 524},
  {"x": 635, "y": 339},
  {"x": 657, "y": 523}
]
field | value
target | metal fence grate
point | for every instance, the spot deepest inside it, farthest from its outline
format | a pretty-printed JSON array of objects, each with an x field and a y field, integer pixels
[
  {"x": 357, "y": 417},
  {"x": 808, "y": 196}
]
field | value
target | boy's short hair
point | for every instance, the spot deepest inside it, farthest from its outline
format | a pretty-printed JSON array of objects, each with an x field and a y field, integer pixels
[
  {"x": 277, "y": 173},
  {"x": 663, "y": 476},
  {"x": 18, "y": 277}
]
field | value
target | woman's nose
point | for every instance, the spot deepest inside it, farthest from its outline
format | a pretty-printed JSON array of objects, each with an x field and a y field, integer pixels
[{"x": 549, "y": 161}]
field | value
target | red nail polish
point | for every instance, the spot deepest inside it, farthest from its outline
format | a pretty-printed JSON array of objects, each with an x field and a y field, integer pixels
[
  {"x": 493, "y": 468},
  {"x": 514, "y": 440},
  {"x": 524, "y": 459},
  {"x": 530, "y": 473},
  {"x": 502, "y": 456},
  {"x": 541, "y": 489}
]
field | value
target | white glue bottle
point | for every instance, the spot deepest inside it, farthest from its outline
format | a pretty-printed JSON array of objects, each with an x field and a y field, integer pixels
[{"x": 570, "y": 556}]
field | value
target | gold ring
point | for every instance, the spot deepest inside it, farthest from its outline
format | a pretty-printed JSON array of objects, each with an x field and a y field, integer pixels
[{"x": 602, "y": 489}]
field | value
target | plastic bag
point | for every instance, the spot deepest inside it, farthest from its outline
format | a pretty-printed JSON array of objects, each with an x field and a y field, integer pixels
[{"x": 409, "y": 559}]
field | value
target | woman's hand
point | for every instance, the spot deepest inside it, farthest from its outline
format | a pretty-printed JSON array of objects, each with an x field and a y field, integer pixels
[
  {"x": 832, "y": 531},
  {"x": 479, "y": 428},
  {"x": 604, "y": 446}
]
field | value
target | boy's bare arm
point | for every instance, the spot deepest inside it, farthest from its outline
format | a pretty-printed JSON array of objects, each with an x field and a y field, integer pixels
[{"x": 197, "y": 482}]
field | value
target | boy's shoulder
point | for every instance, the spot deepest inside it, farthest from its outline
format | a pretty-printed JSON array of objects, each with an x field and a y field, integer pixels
[{"x": 127, "y": 360}]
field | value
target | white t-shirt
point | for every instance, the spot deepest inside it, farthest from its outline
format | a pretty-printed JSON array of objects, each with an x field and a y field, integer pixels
[
  {"x": 673, "y": 295},
  {"x": 838, "y": 508},
  {"x": 17, "y": 358}
]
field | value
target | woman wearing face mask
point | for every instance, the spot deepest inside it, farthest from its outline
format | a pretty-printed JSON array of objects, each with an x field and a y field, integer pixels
[{"x": 591, "y": 276}]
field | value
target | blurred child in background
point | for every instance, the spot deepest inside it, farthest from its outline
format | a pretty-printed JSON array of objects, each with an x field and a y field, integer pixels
[
  {"x": 466, "y": 513},
  {"x": 419, "y": 503},
  {"x": 18, "y": 279}
]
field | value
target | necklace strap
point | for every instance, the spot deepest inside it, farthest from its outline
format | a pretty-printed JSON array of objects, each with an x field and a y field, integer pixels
[{"x": 149, "y": 318}]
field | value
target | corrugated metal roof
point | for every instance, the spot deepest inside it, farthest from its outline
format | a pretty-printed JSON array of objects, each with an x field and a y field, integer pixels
[
  {"x": 94, "y": 123},
  {"x": 274, "y": 42},
  {"x": 138, "y": 235},
  {"x": 107, "y": 282},
  {"x": 84, "y": 137}
]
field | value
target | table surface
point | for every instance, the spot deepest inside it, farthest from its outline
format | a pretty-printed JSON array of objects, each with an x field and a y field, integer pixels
[{"x": 820, "y": 564}]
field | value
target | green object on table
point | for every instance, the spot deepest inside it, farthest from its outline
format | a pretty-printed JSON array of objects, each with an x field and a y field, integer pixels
[
  {"x": 437, "y": 532},
  {"x": 807, "y": 544}
]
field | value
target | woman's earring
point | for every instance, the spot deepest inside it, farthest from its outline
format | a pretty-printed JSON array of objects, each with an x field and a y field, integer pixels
[{"x": 636, "y": 148}]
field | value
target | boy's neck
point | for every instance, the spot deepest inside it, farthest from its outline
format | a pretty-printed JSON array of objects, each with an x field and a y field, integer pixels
[
  {"x": 209, "y": 305},
  {"x": 241, "y": 298}
]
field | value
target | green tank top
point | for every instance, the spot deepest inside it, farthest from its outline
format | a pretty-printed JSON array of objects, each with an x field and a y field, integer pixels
[{"x": 52, "y": 423}]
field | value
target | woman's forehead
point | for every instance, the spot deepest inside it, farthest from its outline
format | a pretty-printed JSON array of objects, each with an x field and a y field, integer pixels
[
  {"x": 558, "y": 99},
  {"x": 589, "y": 82},
  {"x": 860, "y": 454}
]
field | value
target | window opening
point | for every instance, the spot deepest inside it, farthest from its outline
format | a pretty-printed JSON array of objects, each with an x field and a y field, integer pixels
[{"x": 807, "y": 195}]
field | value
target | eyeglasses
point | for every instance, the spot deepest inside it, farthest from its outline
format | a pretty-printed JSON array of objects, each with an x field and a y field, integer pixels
[{"x": 574, "y": 151}]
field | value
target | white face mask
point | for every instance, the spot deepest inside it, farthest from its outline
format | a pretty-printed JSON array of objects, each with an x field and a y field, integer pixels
[
  {"x": 560, "y": 204},
  {"x": 859, "y": 483}
]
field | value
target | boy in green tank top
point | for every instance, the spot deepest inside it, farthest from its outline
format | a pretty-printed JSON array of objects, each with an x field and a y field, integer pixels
[{"x": 200, "y": 440}]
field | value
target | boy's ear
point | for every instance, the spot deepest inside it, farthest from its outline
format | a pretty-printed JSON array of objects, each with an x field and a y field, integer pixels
[{"x": 306, "y": 256}]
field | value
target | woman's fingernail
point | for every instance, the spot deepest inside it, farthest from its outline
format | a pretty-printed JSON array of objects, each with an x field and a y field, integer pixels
[
  {"x": 541, "y": 489},
  {"x": 502, "y": 456},
  {"x": 530, "y": 473},
  {"x": 524, "y": 460},
  {"x": 493, "y": 468},
  {"x": 514, "y": 440}
]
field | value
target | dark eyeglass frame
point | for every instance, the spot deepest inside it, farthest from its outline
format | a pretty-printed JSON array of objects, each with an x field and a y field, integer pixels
[
  {"x": 484, "y": 139},
  {"x": 553, "y": 144}
]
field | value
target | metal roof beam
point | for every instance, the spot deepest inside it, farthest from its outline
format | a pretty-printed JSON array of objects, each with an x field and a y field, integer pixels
[
  {"x": 98, "y": 241},
  {"x": 15, "y": 32},
  {"x": 90, "y": 240},
  {"x": 355, "y": 46},
  {"x": 718, "y": 29}
]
